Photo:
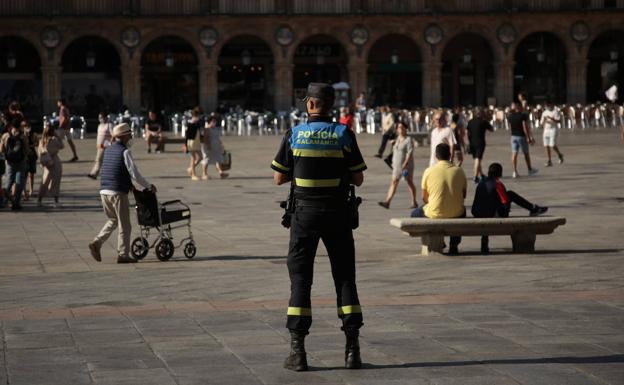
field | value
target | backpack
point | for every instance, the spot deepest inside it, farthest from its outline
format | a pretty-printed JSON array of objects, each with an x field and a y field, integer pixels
[{"x": 15, "y": 152}]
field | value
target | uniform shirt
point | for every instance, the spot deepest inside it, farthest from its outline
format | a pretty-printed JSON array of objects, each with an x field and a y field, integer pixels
[
  {"x": 320, "y": 157},
  {"x": 446, "y": 186}
]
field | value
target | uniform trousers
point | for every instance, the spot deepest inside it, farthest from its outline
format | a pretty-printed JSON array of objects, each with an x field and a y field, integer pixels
[{"x": 332, "y": 226}]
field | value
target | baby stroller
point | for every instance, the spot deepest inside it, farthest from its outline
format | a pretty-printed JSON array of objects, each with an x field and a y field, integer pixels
[{"x": 152, "y": 214}]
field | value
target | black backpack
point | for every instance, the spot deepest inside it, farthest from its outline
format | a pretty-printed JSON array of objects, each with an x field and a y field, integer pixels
[{"x": 15, "y": 152}]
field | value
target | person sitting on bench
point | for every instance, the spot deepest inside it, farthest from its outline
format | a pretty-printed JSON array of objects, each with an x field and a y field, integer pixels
[{"x": 492, "y": 199}]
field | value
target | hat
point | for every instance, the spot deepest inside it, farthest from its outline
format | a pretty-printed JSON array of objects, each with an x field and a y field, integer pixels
[
  {"x": 322, "y": 91},
  {"x": 121, "y": 130}
]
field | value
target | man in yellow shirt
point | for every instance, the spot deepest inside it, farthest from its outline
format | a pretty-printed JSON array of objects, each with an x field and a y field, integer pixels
[{"x": 443, "y": 191}]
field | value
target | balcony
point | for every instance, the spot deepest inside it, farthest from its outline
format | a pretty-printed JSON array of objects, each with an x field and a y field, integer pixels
[{"x": 156, "y": 8}]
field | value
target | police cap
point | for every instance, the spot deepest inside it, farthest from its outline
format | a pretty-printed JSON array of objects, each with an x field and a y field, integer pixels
[{"x": 322, "y": 91}]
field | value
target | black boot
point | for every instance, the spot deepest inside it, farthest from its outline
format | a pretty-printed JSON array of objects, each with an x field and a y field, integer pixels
[
  {"x": 352, "y": 350},
  {"x": 297, "y": 360}
]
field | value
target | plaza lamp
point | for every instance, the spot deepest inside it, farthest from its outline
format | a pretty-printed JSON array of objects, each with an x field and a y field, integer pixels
[
  {"x": 11, "y": 60},
  {"x": 169, "y": 59},
  {"x": 467, "y": 56},
  {"x": 90, "y": 59},
  {"x": 394, "y": 58},
  {"x": 246, "y": 57}
]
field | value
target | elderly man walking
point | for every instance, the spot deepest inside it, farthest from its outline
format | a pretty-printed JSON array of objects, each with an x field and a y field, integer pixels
[{"x": 116, "y": 177}]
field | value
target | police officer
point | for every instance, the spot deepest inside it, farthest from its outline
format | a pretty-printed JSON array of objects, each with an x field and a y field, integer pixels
[{"x": 321, "y": 159}]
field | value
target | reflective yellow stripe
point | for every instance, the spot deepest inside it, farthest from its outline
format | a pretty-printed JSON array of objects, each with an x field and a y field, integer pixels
[
  {"x": 347, "y": 148},
  {"x": 317, "y": 182},
  {"x": 308, "y": 153},
  {"x": 358, "y": 167},
  {"x": 274, "y": 163},
  {"x": 350, "y": 309},
  {"x": 304, "y": 311}
]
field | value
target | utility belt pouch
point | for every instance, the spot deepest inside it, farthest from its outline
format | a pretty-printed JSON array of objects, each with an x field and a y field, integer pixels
[
  {"x": 353, "y": 204},
  {"x": 289, "y": 207}
]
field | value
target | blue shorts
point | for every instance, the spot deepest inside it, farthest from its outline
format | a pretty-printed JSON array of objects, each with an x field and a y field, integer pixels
[{"x": 518, "y": 142}]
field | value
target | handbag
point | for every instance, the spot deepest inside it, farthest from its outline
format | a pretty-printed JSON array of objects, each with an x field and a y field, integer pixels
[
  {"x": 227, "y": 160},
  {"x": 46, "y": 160}
]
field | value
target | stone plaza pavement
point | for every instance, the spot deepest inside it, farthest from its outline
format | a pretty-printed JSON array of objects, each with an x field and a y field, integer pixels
[{"x": 552, "y": 317}]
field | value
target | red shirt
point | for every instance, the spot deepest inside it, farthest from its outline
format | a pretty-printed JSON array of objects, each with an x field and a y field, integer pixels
[
  {"x": 502, "y": 192},
  {"x": 347, "y": 121}
]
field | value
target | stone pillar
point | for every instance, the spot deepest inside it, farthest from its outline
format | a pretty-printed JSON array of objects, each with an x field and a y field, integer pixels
[
  {"x": 51, "y": 86},
  {"x": 208, "y": 86},
  {"x": 283, "y": 86},
  {"x": 504, "y": 85},
  {"x": 577, "y": 80},
  {"x": 432, "y": 84},
  {"x": 358, "y": 78},
  {"x": 131, "y": 86}
]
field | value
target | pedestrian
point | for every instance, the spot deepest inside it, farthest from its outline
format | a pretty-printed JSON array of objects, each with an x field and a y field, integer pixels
[
  {"x": 212, "y": 149},
  {"x": 64, "y": 130},
  {"x": 31, "y": 158},
  {"x": 321, "y": 159},
  {"x": 458, "y": 125},
  {"x": 103, "y": 140},
  {"x": 387, "y": 129},
  {"x": 14, "y": 112},
  {"x": 193, "y": 141},
  {"x": 550, "y": 120},
  {"x": 153, "y": 131},
  {"x": 477, "y": 128},
  {"x": 346, "y": 117},
  {"x": 402, "y": 165},
  {"x": 118, "y": 173},
  {"x": 492, "y": 199},
  {"x": 14, "y": 145},
  {"x": 443, "y": 191},
  {"x": 441, "y": 133},
  {"x": 49, "y": 147},
  {"x": 521, "y": 137}
]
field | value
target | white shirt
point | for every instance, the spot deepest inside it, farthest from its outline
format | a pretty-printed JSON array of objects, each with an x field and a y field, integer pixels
[
  {"x": 104, "y": 134},
  {"x": 547, "y": 123},
  {"x": 440, "y": 135},
  {"x": 135, "y": 175}
]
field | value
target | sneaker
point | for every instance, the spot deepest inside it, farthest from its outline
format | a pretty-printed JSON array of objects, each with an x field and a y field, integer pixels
[
  {"x": 533, "y": 171},
  {"x": 548, "y": 164},
  {"x": 74, "y": 159},
  {"x": 514, "y": 175},
  {"x": 126, "y": 259},
  {"x": 561, "y": 159},
  {"x": 538, "y": 210},
  {"x": 94, "y": 248},
  {"x": 91, "y": 176},
  {"x": 385, "y": 205}
]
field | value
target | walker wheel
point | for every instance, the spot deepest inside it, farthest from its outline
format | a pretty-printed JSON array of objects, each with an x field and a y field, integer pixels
[
  {"x": 139, "y": 248},
  {"x": 164, "y": 249},
  {"x": 190, "y": 250}
]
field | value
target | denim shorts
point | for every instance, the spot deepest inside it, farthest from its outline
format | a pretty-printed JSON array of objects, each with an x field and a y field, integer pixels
[{"x": 518, "y": 142}]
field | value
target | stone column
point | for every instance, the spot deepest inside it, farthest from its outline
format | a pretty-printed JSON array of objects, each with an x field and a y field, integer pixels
[
  {"x": 504, "y": 85},
  {"x": 358, "y": 78},
  {"x": 577, "y": 80},
  {"x": 432, "y": 84},
  {"x": 131, "y": 86},
  {"x": 51, "y": 86},
  {"x": 283, "y": 86},
  {"x": 208, "y": 86}
]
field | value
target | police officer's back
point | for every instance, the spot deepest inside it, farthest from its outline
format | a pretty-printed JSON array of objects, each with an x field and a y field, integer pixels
[{"x": 321, "y": 159}]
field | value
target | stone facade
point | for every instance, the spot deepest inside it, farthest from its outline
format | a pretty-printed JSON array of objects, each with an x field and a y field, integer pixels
[{"x": 339, "y": 27}]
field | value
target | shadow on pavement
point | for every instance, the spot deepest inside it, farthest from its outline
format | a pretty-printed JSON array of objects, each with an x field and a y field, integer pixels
[
  {"x": 616, "y": 358},
  {"x": 541, "y": 252}
]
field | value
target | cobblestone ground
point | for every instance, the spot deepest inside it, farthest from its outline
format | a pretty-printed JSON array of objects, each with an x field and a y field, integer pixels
[{"x": 552, "y": 317}]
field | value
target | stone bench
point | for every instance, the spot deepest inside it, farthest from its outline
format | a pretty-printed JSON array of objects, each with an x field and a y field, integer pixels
[
  {"x": 420, "y": 137},
  {"x": 523, "y": 230}
]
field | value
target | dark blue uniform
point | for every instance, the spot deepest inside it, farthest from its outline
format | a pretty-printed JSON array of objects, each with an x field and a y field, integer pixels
[{"x": 320, "y": 157}]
